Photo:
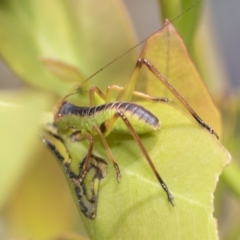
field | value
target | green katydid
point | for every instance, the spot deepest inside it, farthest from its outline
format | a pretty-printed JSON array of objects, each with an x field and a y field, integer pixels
[{"x": 78, "y": 123}]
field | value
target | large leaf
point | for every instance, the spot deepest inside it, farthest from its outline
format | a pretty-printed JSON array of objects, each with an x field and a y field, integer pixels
[
  {"x": 31, "y": 30},
  {"x": 188, "y": 158},
  {"x": 167, "y": 52},
  {"x": 71, "y": 33},
  {"x": 19, "y": 130}
]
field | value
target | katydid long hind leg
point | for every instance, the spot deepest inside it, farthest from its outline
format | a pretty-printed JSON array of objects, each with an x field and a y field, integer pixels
[
  {"x": 109, "y": 124},
  {"x": 148, "y": 64},
  {"x": 126, "y": 93}
]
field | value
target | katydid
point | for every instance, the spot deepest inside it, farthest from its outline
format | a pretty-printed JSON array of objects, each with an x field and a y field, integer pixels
[{"x": 123, "y": 116}]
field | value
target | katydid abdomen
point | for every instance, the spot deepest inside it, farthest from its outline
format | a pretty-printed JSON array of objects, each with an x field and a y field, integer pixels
[{"x": 85, "y": 118}]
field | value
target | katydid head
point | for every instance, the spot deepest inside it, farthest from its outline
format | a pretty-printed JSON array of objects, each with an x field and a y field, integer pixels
[
  {"x": 62, "y": 101},
  {"x": 57, "y": 107},
  {"x": 58, "y": 112}
]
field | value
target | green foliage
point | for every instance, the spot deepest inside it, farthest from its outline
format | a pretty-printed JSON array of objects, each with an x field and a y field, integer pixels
[
  {"x": 31, "y": 31},
  {"x": 190, "y": 171},
  {"x": 188, "y": 158},
  {"x": 169, "y": 55},
  {"x": 19, "y": 125}
]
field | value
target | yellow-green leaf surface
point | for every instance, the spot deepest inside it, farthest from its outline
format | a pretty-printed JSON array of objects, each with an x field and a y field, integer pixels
[
  {"x": 19, "y": 136},
  {"x": 31, "y": 30},
  {"x": 62, "y": 70},
  {"x": 190, "y": 161},
  {"x": 188, "y": 158},
  {"x": 167, "y": 52}
]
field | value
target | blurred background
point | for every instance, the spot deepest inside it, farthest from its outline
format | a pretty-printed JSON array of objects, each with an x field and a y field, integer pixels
[
  {"x": 220, "y": 26},
  {"x": 222, "y": 17}
]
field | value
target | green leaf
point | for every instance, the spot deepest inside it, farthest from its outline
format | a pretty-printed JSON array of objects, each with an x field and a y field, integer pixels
[
  {"x": 19, "y": 130},
  {"x": 167, "y": 52},
  {"x": 190, "y": 161},
  {"x": 63, "y": 71},
  {"x": 31, "y": 30},
  {"x": 188, "y": 158}
]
